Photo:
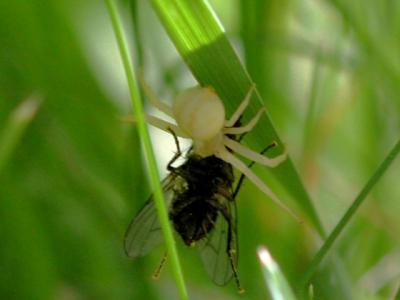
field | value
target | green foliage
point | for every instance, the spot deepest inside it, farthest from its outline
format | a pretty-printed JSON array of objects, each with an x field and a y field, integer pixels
[{"x": 72, "y": 174}]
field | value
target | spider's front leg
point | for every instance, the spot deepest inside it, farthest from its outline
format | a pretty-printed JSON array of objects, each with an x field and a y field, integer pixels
[
  {"x": 235, "y": 145},
  {"x": 241, "y": 108},
  {"x": 254, "y": 156},
  {"x": 246, "y": 128}
]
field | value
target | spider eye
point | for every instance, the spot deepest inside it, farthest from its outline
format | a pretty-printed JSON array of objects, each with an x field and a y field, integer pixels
[{"x": 199, "y": 112}]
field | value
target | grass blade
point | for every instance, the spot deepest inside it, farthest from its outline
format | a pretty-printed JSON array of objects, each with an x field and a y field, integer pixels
[
  {"x": 397, "y": 293},
  {"x": 310, "y": 116},
  {"x": 199, "y": 37},
  {"x": 17, "y": 123},
  {"x": 274, "y": 278},
  {"x": 348, "y": 216},
  {"x": 145, "y": 138}
]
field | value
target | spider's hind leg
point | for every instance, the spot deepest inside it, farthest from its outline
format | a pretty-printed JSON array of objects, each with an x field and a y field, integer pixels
[
  {"x": 245, "y": 170},
  {"x": 242, "y": 176}
]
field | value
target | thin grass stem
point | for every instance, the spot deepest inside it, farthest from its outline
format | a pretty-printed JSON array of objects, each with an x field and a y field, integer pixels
[
  {"x": 323, "y": 251},
  {"x": 145, "y": 138}
]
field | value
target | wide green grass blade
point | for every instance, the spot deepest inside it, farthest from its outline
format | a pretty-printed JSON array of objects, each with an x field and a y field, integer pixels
[
  {"x": 348, "y": 216},
  {"x": 145, "y": 138},
  {"x": 199, "y": 37}
]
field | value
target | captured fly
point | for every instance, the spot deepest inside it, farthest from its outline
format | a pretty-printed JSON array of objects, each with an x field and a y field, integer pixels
[{"x": 200, "y": 199}]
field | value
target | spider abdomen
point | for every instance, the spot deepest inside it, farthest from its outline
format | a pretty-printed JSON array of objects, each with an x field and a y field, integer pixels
[{"x": 199, "y": 112}]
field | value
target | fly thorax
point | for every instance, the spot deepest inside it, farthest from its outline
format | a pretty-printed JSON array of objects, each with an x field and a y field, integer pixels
[{"x": 180, "y": 185}]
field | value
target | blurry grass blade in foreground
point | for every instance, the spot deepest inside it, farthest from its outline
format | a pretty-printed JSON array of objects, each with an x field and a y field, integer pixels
[
  {"x": 145, "y": 138},
  {"x": 274, "y": 278},
  {"x": 15, "y": 127},
  {"x": 198, "y": 35}
]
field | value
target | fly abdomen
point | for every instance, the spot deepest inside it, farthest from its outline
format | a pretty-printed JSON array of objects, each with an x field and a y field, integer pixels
[{"x": 193, "y": 217}]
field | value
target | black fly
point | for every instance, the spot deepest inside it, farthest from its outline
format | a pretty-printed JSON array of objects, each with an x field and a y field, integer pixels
[
  {"x": 201, "y": 202},
  {"x": 200, "y": 199}
]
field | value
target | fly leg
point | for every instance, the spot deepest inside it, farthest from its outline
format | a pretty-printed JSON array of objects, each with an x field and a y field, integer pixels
[
  {"x": 231, "y": 240},
  {"x": 230, "y": 251},
  {"x": 157, "y": 272},
  {"x": 177, "y": 154}
]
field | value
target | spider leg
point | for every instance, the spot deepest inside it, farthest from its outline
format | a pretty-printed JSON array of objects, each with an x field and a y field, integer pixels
[
  {"x": 241, "y": 108},
  {"x": 242, "y": 176},
  {"x": 157, "y": 122},
  {"x": 241, "y": 166},
  {"x": 252, "y": 155},
  {"x": 165, "y": 125},
  {"x": 150, "y": 95},
  {"x": 246, "y": 128}
]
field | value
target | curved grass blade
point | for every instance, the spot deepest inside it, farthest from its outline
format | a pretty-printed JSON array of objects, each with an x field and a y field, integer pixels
[
  {"x": 347, "y": 217},
  {"x": 397, "y": 295},
  {"x": 16, "y": 125},
  {"x": 201, "y": 41},
  {"x": 276, "y": 282},
  {"x": 145, "y": 138}
]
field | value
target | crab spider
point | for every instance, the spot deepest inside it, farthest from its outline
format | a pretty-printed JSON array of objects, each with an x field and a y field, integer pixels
[{"x": 200, "y": 115}]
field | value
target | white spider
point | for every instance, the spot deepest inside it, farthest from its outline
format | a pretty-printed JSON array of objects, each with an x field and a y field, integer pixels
[{"x": 200, "y": 115}]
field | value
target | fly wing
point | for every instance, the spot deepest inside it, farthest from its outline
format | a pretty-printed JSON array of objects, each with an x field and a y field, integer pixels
[
  {"x": 219, "y": 248},
  {"x": 144, "y": 232}
]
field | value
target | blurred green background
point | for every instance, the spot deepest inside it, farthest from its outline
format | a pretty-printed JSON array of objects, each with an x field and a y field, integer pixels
[{"x": 329, "y": 73}]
